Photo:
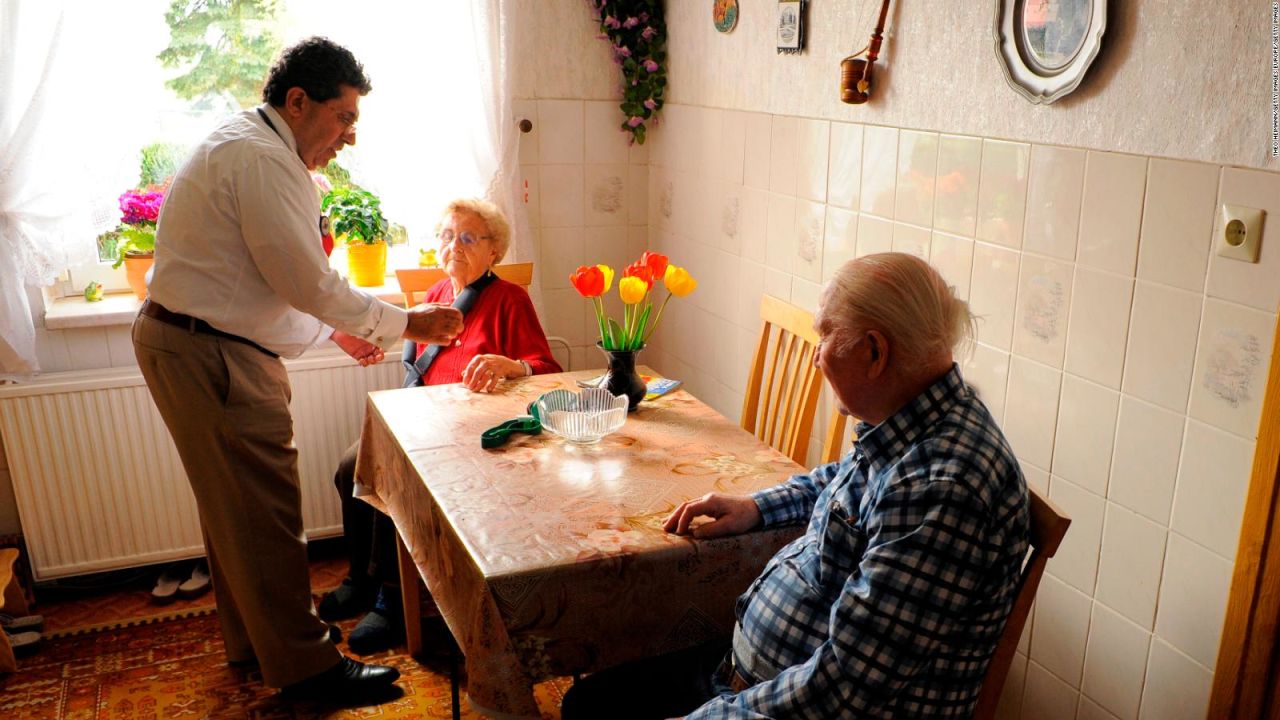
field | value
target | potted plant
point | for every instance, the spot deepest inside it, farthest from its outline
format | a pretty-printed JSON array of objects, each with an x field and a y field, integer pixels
[
  {"x": 136, "y": 244},
  {"x": 355, "y": 216}
]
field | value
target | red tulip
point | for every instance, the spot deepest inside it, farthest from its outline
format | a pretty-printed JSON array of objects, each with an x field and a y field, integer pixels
[
  {"x": 589, "y": 281},
  {"x": 656, "y": 262},
  {"x": 639, "y": 270}
]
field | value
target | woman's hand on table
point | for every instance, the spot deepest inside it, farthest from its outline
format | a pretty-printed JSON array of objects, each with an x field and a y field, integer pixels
[
  {"x": 731, "y": 515},
  {"x": 484, "y": 372}
]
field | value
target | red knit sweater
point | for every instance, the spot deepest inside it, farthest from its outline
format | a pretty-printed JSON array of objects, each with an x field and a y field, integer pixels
[{"x": 502, "y": 322}]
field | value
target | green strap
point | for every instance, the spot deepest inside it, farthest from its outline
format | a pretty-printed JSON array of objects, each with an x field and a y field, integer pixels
[{"x": 496, "y": 437}]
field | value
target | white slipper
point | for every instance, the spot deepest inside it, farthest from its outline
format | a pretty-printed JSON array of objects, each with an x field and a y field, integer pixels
[
  {"x": 198, "y": 583},
  {"x": 24, "y": 623},
  {"x": 166, "y": 589},
  {"x": 24, "y": 643}
]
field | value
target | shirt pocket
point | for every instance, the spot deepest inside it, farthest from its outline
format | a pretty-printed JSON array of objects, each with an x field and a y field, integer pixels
[{"x": 840, "y": 548}]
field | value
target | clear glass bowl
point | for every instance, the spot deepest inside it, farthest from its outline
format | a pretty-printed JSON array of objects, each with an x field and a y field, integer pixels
[{"x": 582, "y": 417}]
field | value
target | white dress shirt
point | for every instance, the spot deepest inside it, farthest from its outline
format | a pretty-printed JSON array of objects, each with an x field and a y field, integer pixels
[{"x": 238, "y": 246}]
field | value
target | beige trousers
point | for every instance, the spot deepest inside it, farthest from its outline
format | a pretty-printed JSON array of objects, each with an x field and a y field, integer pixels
[{"x": 226, "y": 405}]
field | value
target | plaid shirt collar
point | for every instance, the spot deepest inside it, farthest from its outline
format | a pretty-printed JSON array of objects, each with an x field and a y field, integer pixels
[{"x": 884, "y": 443}]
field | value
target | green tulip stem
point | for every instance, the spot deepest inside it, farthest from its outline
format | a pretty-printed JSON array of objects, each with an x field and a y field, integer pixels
[{"x": 654, "y": 326}]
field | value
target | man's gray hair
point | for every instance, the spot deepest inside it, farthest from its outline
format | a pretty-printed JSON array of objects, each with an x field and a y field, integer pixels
[
  {"x": 905, "y": 298},
  {"x": 491, "y": 215}
]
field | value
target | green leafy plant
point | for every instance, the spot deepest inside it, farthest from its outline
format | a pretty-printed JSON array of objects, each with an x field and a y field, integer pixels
[
  {"x": 224, "y": 47},
  {"x": 159, "y": 162},
  {"x": 638, "y": 33},
  {"x": 137, "y": 232},
  {"x": 355, "y": 214}
]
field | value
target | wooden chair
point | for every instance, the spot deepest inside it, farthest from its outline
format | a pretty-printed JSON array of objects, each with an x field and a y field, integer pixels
[
  {"x": 782, "y": 391},
  {"x": 12, "y": 602},
  {"x": 836, "y": 446},
  {"x": 1048, "y": 525},
  {"x": 415, "y": 280}
]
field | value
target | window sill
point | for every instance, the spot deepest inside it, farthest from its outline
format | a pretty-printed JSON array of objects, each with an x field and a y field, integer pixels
[{"x": 119, "y": 309}]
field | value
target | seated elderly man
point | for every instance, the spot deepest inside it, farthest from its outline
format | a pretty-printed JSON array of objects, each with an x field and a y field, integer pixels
[{"x": 892, "y": 602}]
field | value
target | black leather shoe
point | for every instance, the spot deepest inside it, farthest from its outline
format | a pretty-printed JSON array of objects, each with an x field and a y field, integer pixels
[{"x": 347, "y": 681}]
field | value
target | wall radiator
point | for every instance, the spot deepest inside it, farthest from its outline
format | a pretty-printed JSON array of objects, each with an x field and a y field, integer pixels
[{"x": 99, "y": 484}]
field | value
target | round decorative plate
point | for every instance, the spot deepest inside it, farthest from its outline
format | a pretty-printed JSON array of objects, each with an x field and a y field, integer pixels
[{"x": 725, "y": 14}]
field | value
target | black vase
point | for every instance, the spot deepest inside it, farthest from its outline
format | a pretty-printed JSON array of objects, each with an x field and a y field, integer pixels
[{"x": 621, "y": 378}]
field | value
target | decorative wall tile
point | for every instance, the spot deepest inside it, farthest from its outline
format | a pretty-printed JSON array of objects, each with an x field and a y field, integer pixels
[
  {"x": 1031, "y": 410},
  {"x": 606, "y": 195},
  {"x": 753, "y": 223},
  {"x": 1131, "y": 565},
  {"x": 955, "y": 207},
  {"x": 1002, "y": 194},
  {"x": 1054, "y": 192},
  {"x": 733, "y": 146},
  {"x": 1230, "y": 375},
  {"x": 748, "y": 289},
  {"x": 809, "y": 233},
  {"x": 564, "y": 315},
  {"x": 726, "y": 229},
  {"x": 1115, "y": 663},
  {"x": 1044, "y": 298},
  {"x": 1162, "y": 338},
  {"x": 784, "y": 154},
  {"x": 777, "y": 284},
  {"x": 606, "y": 143},
  {"x": 1145, "y": 464},
  {"x": 839, "y": 243},
  {"x": 1177, "y": 688},
  {"x": 879, "y": 170},
  {"x": 952, "y": 256},
  {"x": 1213, "y": 479},
  {"x": 1177, "y": 221},
  {"x": 1100, "y": 306},
  {"x": 993, "y": 293},
  {"x": 1111, "y": 215},
  {"x": 1193, "y": 600},
  {"x": 1062, "y": 629},
  {"x": 1252, "y": 284},
  {"x": 911, "y": 240},
  {"x": 561, "y": 131},
  {"x": 780, "y": 236},
  {"x": 1077, "y": 560},
  {"x": 874, "y": 235},
  {"x": 844, "y": 170},
  {"x": 755, "y": 168},
  {"x": 917, "y": 170},
  {"x": 1086, "y": 429},
  {"x": 638, "y": 198},
  {"x": 813, "y": 153}
]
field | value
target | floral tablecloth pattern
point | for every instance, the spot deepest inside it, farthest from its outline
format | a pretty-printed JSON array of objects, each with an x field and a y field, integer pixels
[{"x": 548, "y": 558}]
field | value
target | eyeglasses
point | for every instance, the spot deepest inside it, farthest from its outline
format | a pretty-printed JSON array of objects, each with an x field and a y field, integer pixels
[
  {"x": 346, "y": 118},
  {"x": 468, "y": 239}
]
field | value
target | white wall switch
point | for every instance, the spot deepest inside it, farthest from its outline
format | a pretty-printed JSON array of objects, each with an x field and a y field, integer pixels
[{"x": 1239, "y": 233}]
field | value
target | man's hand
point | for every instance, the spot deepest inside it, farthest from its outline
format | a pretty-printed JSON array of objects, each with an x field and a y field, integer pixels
[
  {"x": 434, "y": 324},
  {"x": 363, "y": 352},
  {"x": 731, "y": 515}
]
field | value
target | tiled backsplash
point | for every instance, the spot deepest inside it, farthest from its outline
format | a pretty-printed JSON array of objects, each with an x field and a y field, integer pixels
[{"x": 1125, "y": 360}]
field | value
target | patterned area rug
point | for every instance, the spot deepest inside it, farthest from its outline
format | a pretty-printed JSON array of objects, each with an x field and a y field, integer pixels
[{"x": 176, "y": 668}]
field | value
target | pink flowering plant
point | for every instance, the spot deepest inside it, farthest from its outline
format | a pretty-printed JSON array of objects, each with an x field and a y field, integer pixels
[
  {"x": 137, "y": 232},
  {"x": 638, "y": 33}
]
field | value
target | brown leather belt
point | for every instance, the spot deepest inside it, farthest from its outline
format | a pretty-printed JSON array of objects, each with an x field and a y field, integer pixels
[
  {"x": 738, "y": 682},
  {"x": 156, "y": 311}
]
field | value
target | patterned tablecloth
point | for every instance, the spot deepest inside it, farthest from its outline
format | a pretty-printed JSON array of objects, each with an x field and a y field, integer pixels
[{"x": 548, "y": 558}]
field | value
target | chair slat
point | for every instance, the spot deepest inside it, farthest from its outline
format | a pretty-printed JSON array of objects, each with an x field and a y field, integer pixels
[{"x": 783, "y": 386}]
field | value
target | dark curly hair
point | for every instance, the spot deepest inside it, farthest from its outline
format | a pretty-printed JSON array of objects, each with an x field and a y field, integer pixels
[{"x": 317, "y": 65}]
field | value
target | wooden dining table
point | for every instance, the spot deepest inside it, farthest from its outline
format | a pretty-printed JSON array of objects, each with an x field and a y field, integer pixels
[{"x": 548, "y": 558}]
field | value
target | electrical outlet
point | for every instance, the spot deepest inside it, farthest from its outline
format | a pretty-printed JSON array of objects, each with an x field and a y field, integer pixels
[{"x": 1240, "y": 233}]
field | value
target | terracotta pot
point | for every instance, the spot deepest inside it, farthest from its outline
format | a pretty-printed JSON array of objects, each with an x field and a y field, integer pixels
[
  {"x": 367, "y": 264},
  {"x": 136, "y": 266}
]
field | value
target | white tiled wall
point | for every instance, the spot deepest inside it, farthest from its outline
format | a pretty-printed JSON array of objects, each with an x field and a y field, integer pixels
[{"x": 1125, "y": 361}]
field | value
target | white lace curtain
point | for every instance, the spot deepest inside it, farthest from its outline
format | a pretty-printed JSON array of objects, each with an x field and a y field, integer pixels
[
  {"x": 438, "y": 125},
  {"x": 66, "y": 136}
]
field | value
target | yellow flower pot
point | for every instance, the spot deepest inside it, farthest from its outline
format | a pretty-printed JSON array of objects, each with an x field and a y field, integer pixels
[
  {"x": 135, "y": 271},
  {"x": 367, "y": 264}
]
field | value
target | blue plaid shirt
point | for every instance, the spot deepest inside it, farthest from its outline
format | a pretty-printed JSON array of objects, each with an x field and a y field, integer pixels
[{"x": 892, "y": 602}]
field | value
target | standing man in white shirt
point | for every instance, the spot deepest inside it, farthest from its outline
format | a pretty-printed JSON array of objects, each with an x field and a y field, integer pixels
[{"x": 240, "y": 280}]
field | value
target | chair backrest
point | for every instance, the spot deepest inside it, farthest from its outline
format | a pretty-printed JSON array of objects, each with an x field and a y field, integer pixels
[
  {"x": 834, "y": 448},
  {"x": 415, "y": 280},
  {"x": 782, "y": 391},
  {"x": 1048, "y": 525}
]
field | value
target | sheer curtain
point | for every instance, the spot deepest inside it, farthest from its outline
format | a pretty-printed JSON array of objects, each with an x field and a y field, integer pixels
[
  {"x": 439, "y": 123},
  {"x": 68, "y": 135}
]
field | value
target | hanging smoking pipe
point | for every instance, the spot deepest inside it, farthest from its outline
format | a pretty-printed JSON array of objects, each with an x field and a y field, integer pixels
[{"x": 855, "y": 71}]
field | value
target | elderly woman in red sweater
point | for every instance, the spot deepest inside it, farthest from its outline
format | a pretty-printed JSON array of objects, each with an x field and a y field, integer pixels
[{"x": 501, "y": 338}]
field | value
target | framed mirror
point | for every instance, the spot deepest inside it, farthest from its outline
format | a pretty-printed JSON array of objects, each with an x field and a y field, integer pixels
[{"x": 1046, "y": 46}]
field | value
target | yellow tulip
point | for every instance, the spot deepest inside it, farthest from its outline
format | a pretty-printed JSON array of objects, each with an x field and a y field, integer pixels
[
  {"x": 632, "y": 290},
  {"x": 678, "y": 281},
  {"x": 608, "y": 276}
]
